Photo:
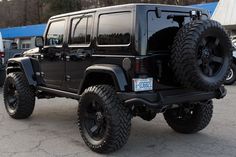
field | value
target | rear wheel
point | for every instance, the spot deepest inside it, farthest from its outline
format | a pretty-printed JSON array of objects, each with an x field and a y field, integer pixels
[
  {"x": 19, "y": 97},
  {"x": 231, "y": 78},
  {"x": 104, "y": 122},
  {"x": 190, "y": 118}
]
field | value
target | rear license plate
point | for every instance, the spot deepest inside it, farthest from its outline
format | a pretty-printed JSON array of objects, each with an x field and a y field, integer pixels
[{"x": 142, "y": 84}]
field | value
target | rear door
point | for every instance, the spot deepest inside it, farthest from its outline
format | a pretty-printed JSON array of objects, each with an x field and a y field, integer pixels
[{"x": 79, "y": 54}]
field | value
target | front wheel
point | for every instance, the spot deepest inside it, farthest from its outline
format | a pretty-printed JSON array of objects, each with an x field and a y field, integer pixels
[
  {"x": 231, "y": 78},
  {"x": 190, "y": 118},
  {"x": 104, "y": 122},
  {"x": 19, "y": 97}
]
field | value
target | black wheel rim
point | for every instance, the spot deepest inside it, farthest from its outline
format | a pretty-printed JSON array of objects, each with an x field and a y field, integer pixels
[
  {"x": 209, "y": 57},
  {"x": 234, "y": 42},
  {"x": 12, "y": 96},
  {"x": 94, "y": 121},
  {"x": 230, "y": 75}
]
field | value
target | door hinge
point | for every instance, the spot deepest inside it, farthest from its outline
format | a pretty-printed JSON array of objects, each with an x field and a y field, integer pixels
[
  {"x": 68, "y": 77},
  {"x": 67, "y": 58}
]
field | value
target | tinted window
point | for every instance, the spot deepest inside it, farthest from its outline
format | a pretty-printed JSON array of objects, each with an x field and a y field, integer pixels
[
  {"x": 81, "y": 31},
  {"x": 55, "y": 33},
  {"x": 161, "y": 31},
  {"x": 114, "y": 29}
]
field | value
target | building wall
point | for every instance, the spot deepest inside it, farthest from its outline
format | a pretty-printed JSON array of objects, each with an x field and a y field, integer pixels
[
  {"x": 24, "y": 43},
  {"x": 225, "y": 13}
]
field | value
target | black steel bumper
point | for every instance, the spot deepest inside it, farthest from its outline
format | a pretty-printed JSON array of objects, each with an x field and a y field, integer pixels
[{"x": 164, "y": 98}]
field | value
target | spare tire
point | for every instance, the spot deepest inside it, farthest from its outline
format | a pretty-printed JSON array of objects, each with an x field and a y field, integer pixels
[{"x": 201, "y": 55}]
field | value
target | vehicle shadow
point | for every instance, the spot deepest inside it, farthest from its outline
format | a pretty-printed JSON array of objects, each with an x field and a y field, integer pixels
[
  {"x": 146, "y": 139},
  {"x": 157, "y": 139}
]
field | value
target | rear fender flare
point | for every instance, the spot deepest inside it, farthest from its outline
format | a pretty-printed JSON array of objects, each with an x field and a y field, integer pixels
[{"x": 115, "y": 71}]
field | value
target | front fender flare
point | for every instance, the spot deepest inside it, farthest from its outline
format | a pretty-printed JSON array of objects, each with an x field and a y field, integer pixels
[{"x": 25, "y": 65}]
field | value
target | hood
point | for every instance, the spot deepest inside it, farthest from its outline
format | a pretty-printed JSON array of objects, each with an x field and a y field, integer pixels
[{"x": 31, "y": 51}]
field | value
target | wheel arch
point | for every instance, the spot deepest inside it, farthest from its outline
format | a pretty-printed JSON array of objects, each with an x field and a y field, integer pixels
[
  {"x": 22, "y": 64},
  {"x": 104, "y": 74}
]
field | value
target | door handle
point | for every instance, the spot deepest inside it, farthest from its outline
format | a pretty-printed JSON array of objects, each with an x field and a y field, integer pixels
[{"x": 84, "y": 55}]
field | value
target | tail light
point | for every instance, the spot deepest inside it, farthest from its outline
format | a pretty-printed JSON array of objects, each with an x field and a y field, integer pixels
[
  {"x": 140, "y": 66},
  {"x": 142, "y": 80},
  {"x": 2, "y": 54}
]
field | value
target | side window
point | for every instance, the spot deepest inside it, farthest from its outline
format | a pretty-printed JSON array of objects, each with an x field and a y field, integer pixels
[
  {"x": 55, "y": 33},
  {"x": 81, "y": 30},
  {"x": 115, "y": 29}
]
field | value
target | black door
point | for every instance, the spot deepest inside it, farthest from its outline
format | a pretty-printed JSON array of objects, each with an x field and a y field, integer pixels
[
  {"x": 80, "y": 52},
  {"x": 52, "y": 63}
]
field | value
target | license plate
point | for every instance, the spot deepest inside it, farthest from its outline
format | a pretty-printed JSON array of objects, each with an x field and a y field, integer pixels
[{"x": 142, "y": 84}]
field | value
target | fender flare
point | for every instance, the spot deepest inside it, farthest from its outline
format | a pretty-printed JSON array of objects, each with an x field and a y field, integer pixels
[
  {"x": 23, "y": 64},
  {"x": 115, "y": 71}
]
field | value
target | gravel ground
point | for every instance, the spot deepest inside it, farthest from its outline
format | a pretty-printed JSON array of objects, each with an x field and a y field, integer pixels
[{"x": 52, "y": 131}]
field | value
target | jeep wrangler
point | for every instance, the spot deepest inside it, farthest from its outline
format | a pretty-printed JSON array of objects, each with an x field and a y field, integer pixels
[{"x": 125, "y": 61}]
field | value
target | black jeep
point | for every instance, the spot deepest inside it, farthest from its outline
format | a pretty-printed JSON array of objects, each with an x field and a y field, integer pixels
[{"x": 125, "y": 61}]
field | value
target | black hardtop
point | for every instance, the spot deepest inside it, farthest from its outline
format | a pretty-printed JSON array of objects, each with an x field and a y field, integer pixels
[{"x": 162, "y": 7}]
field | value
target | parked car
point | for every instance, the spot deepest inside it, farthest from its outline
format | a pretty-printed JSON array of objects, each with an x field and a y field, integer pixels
[
  {"x": 9, "y": 50},
  {"x": 231, "y": 78},
  {"x": 125, "y": 61}
]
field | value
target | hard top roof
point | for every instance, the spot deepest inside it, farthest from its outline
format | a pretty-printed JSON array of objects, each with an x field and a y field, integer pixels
[{"x": 123, "y": 6}]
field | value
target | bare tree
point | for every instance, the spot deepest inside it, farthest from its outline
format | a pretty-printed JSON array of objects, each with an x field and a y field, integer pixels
[
  {"x": 23, "y": 12},
  {"x": 25, "y": 20}
]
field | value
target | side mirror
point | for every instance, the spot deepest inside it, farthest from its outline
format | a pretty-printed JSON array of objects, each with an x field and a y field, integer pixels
[{"x": 39, "y": 41}]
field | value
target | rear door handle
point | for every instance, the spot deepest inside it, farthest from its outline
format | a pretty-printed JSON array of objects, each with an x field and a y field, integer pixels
[{"x": 82, "y": 55}]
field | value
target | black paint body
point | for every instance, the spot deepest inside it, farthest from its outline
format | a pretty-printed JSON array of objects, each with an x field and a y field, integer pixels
[{"x": 140, "y": 32}]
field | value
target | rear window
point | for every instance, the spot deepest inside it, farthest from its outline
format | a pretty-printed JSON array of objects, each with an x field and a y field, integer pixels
[
  {"x": 161, "y": 31},
  {"x": 81, "y": 31},
  {"x": 114, "y": 29}
]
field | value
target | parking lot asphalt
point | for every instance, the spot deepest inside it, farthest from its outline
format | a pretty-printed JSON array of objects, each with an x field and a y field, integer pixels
[{"x": 52, "y": 131}]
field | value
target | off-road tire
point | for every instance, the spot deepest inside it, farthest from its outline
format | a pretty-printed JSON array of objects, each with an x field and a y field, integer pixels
[
  {"x": 186, "y": 52},
  {"x": 16, "y": 86},
  {"x": 200, "y": 118},
  {"x": 232, "y": 79},
  {"x": 117, "y": 119},
  {"x": 2, "y": 77}
]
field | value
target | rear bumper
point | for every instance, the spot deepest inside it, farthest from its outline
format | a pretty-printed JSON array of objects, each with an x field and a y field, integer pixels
[{"x": 164, "y": 98}]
